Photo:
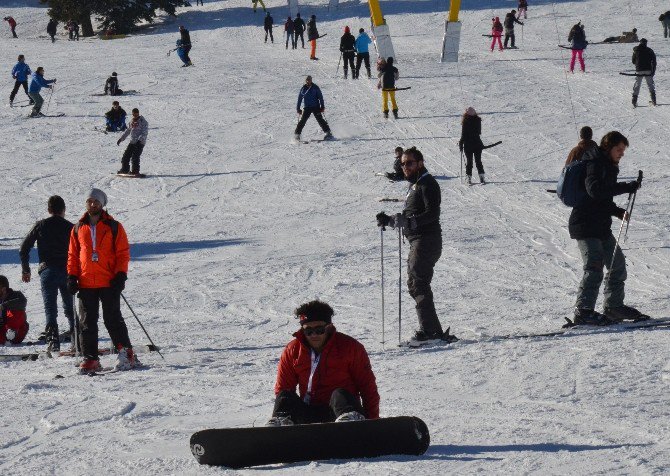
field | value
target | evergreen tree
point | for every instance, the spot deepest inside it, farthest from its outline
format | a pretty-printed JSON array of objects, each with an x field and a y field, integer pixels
[{"x": 118, "y": 15}]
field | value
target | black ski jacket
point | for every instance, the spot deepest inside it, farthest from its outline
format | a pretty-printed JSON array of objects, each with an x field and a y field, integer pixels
[
  {"x": 510, "y": 20},
  {"x": 185, "y": 37},
  {"x": 471, "y": 129},
  {"x": 348, "y": 43},
  {"x": 53, "y": 239},
  {"x": 388, "y": 76},
  {"x": 268, "y": 22},
  {"x": 299, "y": 25},
  {"x": 115, "y": 114},
  {"x": 111, "y": 85},
  {"x": 312, "y": 32},
  {"x": 423, "y": 206},
  {"x": 52, "y": 27},
  {"x": 594, "y": 218},
  {"x": 644, "y": 59}
]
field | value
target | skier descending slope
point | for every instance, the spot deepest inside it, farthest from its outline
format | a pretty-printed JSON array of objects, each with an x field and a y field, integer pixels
[
  {"x": 590, "y": 224},
  {"x": 38, "y": 82},
  {"x": 313, "y": 99},
  {"x": 420, "y": 223},
  {"x": 331, "y": 370}
]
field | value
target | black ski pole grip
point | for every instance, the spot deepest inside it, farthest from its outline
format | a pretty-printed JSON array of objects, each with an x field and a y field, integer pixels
[{"x": 639, "y": 177}]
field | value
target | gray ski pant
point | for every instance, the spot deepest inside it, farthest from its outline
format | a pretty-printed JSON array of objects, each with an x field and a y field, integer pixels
[
  {"x": 597, "y": 253},
  {"x": 638, "y": 83}
]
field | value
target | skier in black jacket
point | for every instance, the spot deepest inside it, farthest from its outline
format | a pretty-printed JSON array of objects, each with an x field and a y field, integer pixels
[
  {"x": 185, "y": 44},
  {"x": 53, "y": 237},
  {"x": 348, "y": 49},
  {"x": 644, "y": 60},
  {"x": 299, "y": 27},
  {"x": 52, "y": 29},
  {"x": 590, "y": 224},
  {"x": 471, "y": 143},
  {"x": 510, "y": 20},
  {"x": 420, "y": 222},
  {"x": 112, "y": 86},
  {"x": 267, "y": 25}
]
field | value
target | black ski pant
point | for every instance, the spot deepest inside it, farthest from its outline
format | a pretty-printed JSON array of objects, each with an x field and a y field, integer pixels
[
  {"x": 308, "y": 111},
  {"x": 269, "y": 31},
  {"x": 14, "y": 33},
  {"x": 53, "y": 37},
  {"x": 89, "y": 314},
  {"x": 132, "y": 154},
  {"x": 348, "y": 58},
  {"x": 359, "y": 59},
  {"x": 509, "y": 36},
  {"x": 300, "y": 35},
  {"x": 17, "y": 85},
  {"x": 289, "y": 404},
  {"x": 424, "y": 251},
  {"x": 478, "y": 161},
  {"x": 186, "y": 56}
]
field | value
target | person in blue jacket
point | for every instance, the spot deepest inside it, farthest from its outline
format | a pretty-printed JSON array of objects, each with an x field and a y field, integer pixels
[
  {"x": 37, "y": 82},
  {"x": 362, "y": 43},
  {"x": 311, "y": 95},
  {"x": 20, "y": 73}
]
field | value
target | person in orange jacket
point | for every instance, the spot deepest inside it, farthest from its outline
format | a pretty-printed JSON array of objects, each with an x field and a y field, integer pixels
[
  {"x": 97, "y": 266},
  {"x": 331, "y": 370}
]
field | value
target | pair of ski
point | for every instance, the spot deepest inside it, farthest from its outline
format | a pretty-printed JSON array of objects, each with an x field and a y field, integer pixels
[
  {"x": 60, "y": 114},
  {"x": 33, "y": 356}
]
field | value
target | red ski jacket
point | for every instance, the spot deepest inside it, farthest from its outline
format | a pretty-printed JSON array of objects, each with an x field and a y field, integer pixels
[{"x": 344, "y": 363}]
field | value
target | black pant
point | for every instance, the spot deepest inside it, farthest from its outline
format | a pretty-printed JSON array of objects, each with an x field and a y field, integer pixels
[
  {"x": 348, "y": 57},
  {"x": 424, "y": 252},
  {"x": 14, "y": 33},
  {"x": 509, "y": 36},
  {"x": 186, "y": 56},
  {"x": 269, "y": 31},
  {"x": 478, "y": 161},
  {"x": 111, "y": 316},
  {"x": 132, "y": 153},
  {"x": 308, "y": 111},
  {"x": 53, "y": 37},
  {"x": 359, "y": 60},
  {"x": 289, "y": 404},
  {"x": 17, "y": 85},
  {"x": 300, "y": 35}
]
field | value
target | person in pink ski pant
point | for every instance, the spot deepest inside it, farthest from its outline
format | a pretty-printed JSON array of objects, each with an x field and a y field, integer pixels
[{"x": 496, "y": 33}]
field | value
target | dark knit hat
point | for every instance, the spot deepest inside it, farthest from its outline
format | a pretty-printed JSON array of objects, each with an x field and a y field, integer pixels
[{"x": 314, "y": 311}]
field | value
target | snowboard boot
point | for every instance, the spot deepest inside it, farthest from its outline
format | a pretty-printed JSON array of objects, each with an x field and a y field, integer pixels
[
  {"x": 281, "y": 419},
  {"x": 126, "y": 358},
  {"x": 386, "y": 114},
  {"x": 589, "y": 317},
  {"x": 123, "y": 171},
  {"x": 66, "y": 336},
  {"x": 395, "y": 113},
  {"x": 423, "y": 337},
  {"x": 624, "y": 313},
  {"x": 653, "y": 99},
  {"x": 481, "y": 179},
  {"x": 449, "y": 338},
  {"x": 90, "y": 365},
  {"x": 328, "y": 136},
  {"x": 468, "y": 179},
  {"x": 634, "y": 100},
  {"x": 52, "y": 338},
  {"x": 296, "y": 137},
  {"x": 350, "y": 416}
]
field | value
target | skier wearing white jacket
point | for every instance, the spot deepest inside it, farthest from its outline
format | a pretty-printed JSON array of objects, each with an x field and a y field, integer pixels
[{"x": 138, "y": 130}]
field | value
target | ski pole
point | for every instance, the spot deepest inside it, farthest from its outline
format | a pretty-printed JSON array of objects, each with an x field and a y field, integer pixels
[
  {"x": 76, "y": 326},
  {"x": 460, "y": 175},
  {"x": 338, "y": 64},
  {"x": 51, "y": 93},
  {"x": 399, "y": 285},
  {"x": 381, "y": 234},
  {"x": 639, "y": 182},
  {"x": 154, "y": 347}
]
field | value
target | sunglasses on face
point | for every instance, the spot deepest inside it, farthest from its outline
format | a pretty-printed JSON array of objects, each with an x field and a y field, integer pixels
[
  {"x": 318, "y": 330},
  {"x": 408, "y": 163}
]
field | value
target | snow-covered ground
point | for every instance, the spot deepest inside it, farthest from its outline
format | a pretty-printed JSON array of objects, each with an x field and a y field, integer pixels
[{"x": 235, "y": 227}]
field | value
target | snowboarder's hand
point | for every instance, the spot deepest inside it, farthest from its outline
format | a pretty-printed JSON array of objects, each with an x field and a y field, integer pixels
[
  {"x": 72, "y": 284},
  {"x": 383, "y": 219},
  {"x": 25, "y": 277},
  {"x": 118, "y": 282},
  {"x": 118, "y": 142}
]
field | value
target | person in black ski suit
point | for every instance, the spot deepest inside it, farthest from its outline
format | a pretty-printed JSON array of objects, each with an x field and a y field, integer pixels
[
  {"x": 289, "y": 31},
  {"x": 590, "y": 224},
  {"x": 112, "y": 86},
  {"x": 299, "y": 27},
  {"x": 268, "y": 21},
  {"x": 420, "y": 223},
  {"x": 471, "y": 143},
  {"x": 510, "y": 20},
  {"x": 644, "y": 60},
  {"x": 348, "y": 50},
  {"x": 313, "y": 104},
  {"x": 397, "y": 173},
  {"x": 665, "y": 19},
  {"x": 185, "y": 44},
  {"x": 52, "y": 29}
]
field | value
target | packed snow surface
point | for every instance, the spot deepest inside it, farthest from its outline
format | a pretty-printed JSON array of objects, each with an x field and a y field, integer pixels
[{"x": 235, "y": 227}]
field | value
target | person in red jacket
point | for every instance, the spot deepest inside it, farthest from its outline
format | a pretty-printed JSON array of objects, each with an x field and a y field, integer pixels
[
  {"x": 13, "y": 323},
  {"x": 331, "y": 370},
  {"x": 12, "y": 25},
  {"x": 97, "y": 264},
  {"x": 496, "y": 33}
]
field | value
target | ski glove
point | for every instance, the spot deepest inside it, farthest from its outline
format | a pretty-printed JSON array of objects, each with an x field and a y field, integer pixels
[
  {"x": 401, "y": 221},
  {"x": 72, "y": 284},
  {"x": 632, "y": 186},
  {"x": 383, "y": 219},
  {"x": 118, "y": 282}
]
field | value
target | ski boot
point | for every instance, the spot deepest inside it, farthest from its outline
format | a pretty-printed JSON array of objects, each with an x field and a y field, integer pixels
[
  {"x": 395, "y": 114},
  {"x": 624, "y": 313},
  {"x": 328, "y": 136},
  {"x": 386, "y": 114},
  {"x": 481, "y": 179},
  {"x": 634, "y": 100},
  {"x": 653, "y": 99},
  {"x": 296, "y": 137},
  {"x": 589, "y": 317},
  {"x": 468, "y": 179},
  {"x": 53, "y": 338}
]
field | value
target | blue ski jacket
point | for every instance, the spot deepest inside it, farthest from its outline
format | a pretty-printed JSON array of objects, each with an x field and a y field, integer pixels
[
  {"x": 37, "y": 82},
  {"x": 362, "y": 43},
  {"x": 20, "y": 71},
  {"x": 312, "y": 97}
]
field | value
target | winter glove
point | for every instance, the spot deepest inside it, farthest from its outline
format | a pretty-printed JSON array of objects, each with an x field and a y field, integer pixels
[
  {"x": 322, "y": 110},
  {"x": 401, "y": 221},
  {"x": 632, "y": 186},
  {"x": 460, "y": 145},
  {"x": 383, "y": 219},
  {"x": 72, "y": 284},
  {"x": 118, "y": 282}
]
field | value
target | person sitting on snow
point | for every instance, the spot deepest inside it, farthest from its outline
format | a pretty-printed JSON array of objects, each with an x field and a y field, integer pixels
[
  {"x": 626, "y": 37},
  {"x": 112, "y": 86},
  {"x": 116, "y": 118},
  {"x": 13, "y": 323}
]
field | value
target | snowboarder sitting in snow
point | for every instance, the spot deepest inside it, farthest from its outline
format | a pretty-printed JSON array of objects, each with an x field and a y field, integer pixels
[
  {"x": 311, "y": 95},
  {"x": 626, "y": 37},
  {"x": 331, "y": 370},
  {"x": 397, "y": 173},
  {"x": 138, "y": 131},
  {"x": 112, "y": 86},
  {"x": 585, "y": 144},
  {"x": 13, "y": 322},
  {"x": 116, "y": 118},
  {"x": 37, "y": 82}
]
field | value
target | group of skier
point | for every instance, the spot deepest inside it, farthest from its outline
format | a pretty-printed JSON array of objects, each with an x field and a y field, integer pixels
[
  {"x": 351, "y": 48},
  {"x": 294, "y": 29}
]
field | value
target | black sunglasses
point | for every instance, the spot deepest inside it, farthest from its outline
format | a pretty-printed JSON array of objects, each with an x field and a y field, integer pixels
[{"x": 318, "y": 330}]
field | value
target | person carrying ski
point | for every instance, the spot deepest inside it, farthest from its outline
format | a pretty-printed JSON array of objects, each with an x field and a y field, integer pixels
[
  {"x": 397, "y": 173},
  {"x": 523, "y": 8},
  {"x": 20, "y": 73},
  {"x": 52, "y": 29},
  {"x": 626, "y": 37},
  {"x": 299, "y": 26},
  {"x": 311, "y": 95},
  {"x": 577, "y": 37},
  {"x": 590, "y": 224},
  {"x": 13, "y": 322},
  {"x": 185, "y": 45},
  {"x": 348, "y": 50},
  {"x": 112, "y": 86},
  {"x": 52, "y": 236},
  {"x": 267, "y": 26},
  {"x": 289, "y": 29},
  {"x": 331, "y": 371},
  {"x": 97, "y": 268},
  {"x": 644, "y": 60},
  {"x": 138, "y": 132},
  {"x": 388, "y": 75},
  {"x": 665, "y": 19},
  {"x": 12, "y": 25},
  {"x": 510, "y": 20},
  {"x": 420, "y": 224},
  {"x": 115, "y": 118},
  {"x": 37, "y": 82},
  {"x": 254, "y": 2},
  {"x": 585, "y": 144},
  {"x": 312, "y": 36},
  {"x": 471, "y": 143},
  {"x": 363, "y": 55},
  {"x": 496, "y": 34}
]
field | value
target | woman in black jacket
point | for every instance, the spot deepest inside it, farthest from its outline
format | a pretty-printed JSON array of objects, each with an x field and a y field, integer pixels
[{"x": 471, "y": 143}]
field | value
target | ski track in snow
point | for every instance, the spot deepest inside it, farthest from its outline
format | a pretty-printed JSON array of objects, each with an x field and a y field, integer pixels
[{"x": 235, "y": 227}]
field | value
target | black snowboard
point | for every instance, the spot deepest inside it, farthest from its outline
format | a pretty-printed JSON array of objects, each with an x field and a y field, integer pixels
[{"x": 243, "y": 447}]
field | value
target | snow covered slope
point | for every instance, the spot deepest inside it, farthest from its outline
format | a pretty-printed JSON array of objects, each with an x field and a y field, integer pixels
[{"x": 235, "y": 227}]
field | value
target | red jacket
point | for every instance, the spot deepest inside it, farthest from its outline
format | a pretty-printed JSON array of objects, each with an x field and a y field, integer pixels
[
  {"x": 13, "y": 317},
  {"x": 12, "y": 22},
  {"x": 344, "y": 364},
  {"x": 113, "y": 256}
]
